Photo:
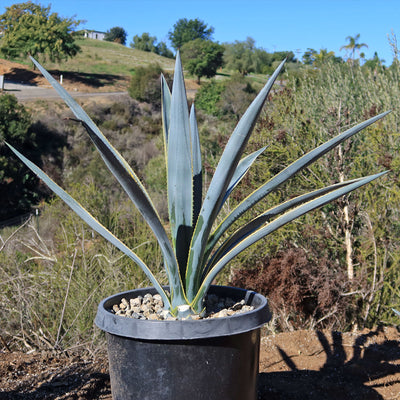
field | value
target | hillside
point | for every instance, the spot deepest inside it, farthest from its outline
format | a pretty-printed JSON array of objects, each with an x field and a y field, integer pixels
[
  {"x": 100, "y": 66},
  {"x": 100, "y": 57}
]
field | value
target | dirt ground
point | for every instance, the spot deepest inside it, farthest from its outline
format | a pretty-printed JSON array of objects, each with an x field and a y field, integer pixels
[
  {"x": 297, "y": 365},
  {"x": 331, "y": 365}
]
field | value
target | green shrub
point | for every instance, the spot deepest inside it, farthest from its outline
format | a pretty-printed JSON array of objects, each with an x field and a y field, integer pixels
[
  {"x": 208, "y": 97},
  {"x": 225, "y": 98},
  {"x": 309, "y": 110},
  {"x": 145, "y": 84},
  {"x": 17, "y": 186},
  {"x": 235, "y": 97}
]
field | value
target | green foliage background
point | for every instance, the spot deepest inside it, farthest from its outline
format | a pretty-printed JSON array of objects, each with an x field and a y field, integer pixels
[
  {"x": 145, "y": 84},
  {"x": 202, "y": 57},
  {"x": 185, "y": 30},
  {"x": 29, "y": 28},
  {"x": 116, "y": 34},
  {"x": 54, "y": 271},
  {"x": 308, "y": 110},
  {"x": 18, "y": 188}
]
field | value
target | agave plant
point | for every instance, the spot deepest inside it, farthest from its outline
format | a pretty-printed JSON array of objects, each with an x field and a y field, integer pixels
[{"x": 199, "y": 250}]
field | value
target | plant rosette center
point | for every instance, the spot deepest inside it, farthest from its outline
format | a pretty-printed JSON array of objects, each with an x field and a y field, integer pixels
[{"x": 151, "y": 307}]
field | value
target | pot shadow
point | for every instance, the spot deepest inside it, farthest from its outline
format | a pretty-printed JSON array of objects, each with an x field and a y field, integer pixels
[{"x": 337, "y": 378}]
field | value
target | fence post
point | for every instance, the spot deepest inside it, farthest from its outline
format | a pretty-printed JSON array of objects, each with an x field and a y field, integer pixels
[{"x": 37, "y": 220}]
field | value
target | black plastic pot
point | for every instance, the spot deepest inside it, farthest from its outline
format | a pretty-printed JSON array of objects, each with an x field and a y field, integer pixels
[{"x": 210, "y": 359}]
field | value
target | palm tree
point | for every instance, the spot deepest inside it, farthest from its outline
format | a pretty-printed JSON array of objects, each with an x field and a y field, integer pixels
[
  {"x": 353, "y": 45},
  {"x": 322, "y": 57}
]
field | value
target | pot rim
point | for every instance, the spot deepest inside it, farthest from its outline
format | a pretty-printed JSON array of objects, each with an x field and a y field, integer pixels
[{"x": 184, "y": 329}]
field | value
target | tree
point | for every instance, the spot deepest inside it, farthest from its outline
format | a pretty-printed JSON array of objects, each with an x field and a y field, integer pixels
[
  {"x": 17, "y": 186},
  {"x": 239, "y": 56},
  {"x": 202, "y": 57},
  {"x": 374, "y": 62},
  {"x": 145, "y": 42},
  {"x": 309, "y": 56},
  {"x": 244, "y": 57},
  {"x": 163, "y": 50},
  {"x": 117, "y": 35},
  {"x": 186, "y": 30},
  {"x": 280, "y": 55},
  {"x": 312, "y": 57},
  {"x": 353, "y": 46},
  {"x": 30, "y": 29}
]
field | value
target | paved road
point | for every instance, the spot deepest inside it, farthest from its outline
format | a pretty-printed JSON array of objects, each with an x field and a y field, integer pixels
[{"x": 31, "y": 92}]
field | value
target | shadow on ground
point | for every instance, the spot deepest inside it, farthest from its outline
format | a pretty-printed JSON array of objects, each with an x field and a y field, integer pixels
[
  {"x": 93, "y": 80},
  {"x": 22, "y": 75},
  {"x": 300, "y": 365},
  {"x": 33, "y": 77},
  {"x": 369, "y": 367}
]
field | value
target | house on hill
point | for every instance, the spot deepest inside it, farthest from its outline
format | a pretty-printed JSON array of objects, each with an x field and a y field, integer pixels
[{"x": 93, "y": 34}]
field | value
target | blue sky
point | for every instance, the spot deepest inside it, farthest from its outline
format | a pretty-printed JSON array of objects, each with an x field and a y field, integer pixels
[{"x": 274, "y": 25}]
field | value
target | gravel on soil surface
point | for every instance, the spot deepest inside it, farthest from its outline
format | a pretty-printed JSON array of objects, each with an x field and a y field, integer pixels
[{"x": 152, "y": 307}]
